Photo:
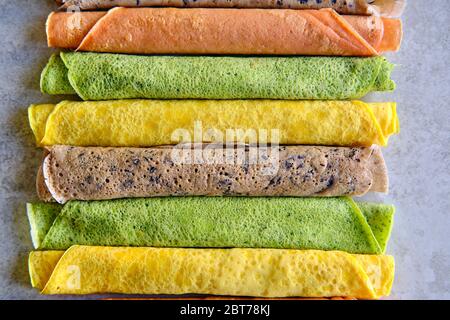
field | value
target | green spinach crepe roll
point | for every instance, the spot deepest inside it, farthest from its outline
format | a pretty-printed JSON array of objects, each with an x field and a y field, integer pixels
[
  {"x": 202, "y": 222},
  {"x": 95, "y": 76},
  {"x": 94, "y": 173}
]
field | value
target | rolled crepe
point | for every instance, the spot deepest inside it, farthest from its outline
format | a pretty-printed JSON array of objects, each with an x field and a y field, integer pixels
[
  {"x": 140, "y": 123},
  {"x": 95, "y": 76},
  {"x": 194, "y": 222},
  {"x": 235, "y": 272},
  {"x": 202, "y": 298},
  {"x": 390, "y": 8},
  {"x": 223, "y": 31},
  {"x": 78, "y": 173}
]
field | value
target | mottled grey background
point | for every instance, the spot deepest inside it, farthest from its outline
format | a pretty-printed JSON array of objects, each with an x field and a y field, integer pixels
[{"x": 418, "y": 159}]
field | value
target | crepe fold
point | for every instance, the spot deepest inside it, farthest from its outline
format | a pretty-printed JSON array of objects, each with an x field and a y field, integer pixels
[
  {"x": 236, "y": 272},
  {"x": 201, "y": 222},
  {"x": 95, "y": 173},
  {"x": 141, "y": 123},
  {"x": 389, "y": 8},
  {"x": 95, "y": 76},
  {"x": 224, "y": 31}
]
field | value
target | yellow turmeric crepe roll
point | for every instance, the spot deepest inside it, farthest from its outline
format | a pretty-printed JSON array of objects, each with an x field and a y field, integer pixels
[
  {"x": 142, "y": 123},
  {"x": 235, "y": 272}
]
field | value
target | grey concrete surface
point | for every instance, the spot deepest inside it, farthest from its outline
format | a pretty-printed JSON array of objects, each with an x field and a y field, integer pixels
[{"x": 418, "y": 158}]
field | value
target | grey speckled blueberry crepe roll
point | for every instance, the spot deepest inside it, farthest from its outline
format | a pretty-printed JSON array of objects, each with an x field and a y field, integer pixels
[
  {"x": 93, "y": 173},
  {"x": 364, "y": 7},
  {"x": 41, "y": 187}
]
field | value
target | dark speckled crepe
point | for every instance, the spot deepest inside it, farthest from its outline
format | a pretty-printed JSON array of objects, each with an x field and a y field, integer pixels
[
  {"x": 362, "y": 7},
  {"x": 93, "y": 173}
]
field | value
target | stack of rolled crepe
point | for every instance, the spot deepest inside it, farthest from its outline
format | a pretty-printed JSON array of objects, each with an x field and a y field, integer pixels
[{"x": 235, "y": 180}]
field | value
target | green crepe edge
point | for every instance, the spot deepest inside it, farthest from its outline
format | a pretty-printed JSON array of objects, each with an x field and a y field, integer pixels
[
  {"x": 41, "y": 217},
  {"x": 56, "y": 75},
  {"x": 376, "y": 219},
  {"x": 380, "y": 218},
  {"x": 384, "y": 82}
]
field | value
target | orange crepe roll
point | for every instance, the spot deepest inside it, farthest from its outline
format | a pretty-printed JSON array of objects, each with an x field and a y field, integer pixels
[{"x": 223, "y": 31}]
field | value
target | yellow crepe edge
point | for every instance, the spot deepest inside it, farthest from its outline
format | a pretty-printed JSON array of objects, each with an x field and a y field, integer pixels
[
  {"x": 38, "y": 115},
  {"x": 383, "y": 277},
  {"x": 373, "y": 110},
  {"x": 378, "y": 269},
  {"x": 41, "y": 265},
  {"x": 388, "y": 120}
]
